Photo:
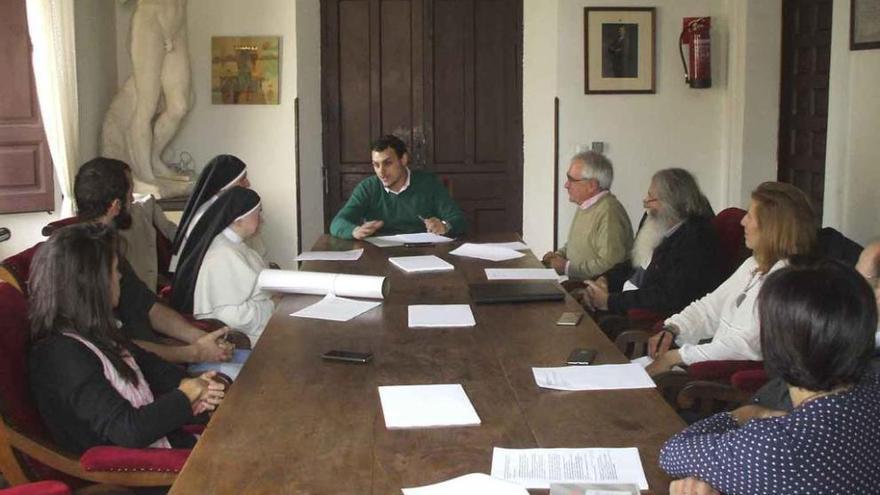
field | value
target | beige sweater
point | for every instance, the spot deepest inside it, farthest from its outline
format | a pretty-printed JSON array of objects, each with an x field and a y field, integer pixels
[{"x": 600, "y": 237}]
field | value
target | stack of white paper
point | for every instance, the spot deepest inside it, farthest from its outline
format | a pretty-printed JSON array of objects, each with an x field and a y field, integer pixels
[
  {"x": 474, "y": 483},
  {"x": 537, "y": 468},
  {"x": 401, "y": 239},
  {"x": 484, "y": 252},
  {"x": 352, "y": 255},
  {"x": 603, "y": 377},
  {"x": 521, "y": 274},
  {"x": 424, "y": 406},
  {"x": 318, "y": 283},
  {"x": 643, "y": 361},
  {"x": 417, "y": 264},
  {"x": 336, "y": 309},
  {"x": 441, "y": 315}
]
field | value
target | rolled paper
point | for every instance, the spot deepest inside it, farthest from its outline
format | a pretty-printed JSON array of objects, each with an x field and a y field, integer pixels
[{"x": 320, "y": 283}]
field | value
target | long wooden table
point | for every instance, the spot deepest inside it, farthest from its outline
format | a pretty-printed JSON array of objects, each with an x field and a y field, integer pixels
[{"x": 293, "y": 423}]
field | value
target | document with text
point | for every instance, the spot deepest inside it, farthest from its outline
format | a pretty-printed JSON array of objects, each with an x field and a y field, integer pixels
[
  {"x": 336, "y": 309},
  {"x": 537, "y": 468},
  {"x": 474, "y": 483},
  {"x": 600, "y": 377}
]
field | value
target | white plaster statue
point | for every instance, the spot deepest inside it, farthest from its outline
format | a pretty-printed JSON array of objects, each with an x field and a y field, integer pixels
[{"x": 146, "y": 113}]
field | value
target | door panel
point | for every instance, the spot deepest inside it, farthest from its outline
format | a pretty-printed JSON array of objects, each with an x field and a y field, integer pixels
[
  {"x": 446, "y": 77},
  {"x": 803, "y": 113}
]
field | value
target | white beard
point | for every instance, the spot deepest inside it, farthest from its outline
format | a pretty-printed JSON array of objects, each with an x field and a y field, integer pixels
[{"x": 648, "y": 238}]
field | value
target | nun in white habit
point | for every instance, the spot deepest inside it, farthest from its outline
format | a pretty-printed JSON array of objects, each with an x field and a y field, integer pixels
[{"x": 217, "y": 273}]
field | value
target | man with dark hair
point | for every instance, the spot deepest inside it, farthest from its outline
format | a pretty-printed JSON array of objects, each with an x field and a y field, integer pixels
[
  {"x": 103, "y": 195},
  {"x": 674, "y": 258},
  {"x": 397, "y": 200}
]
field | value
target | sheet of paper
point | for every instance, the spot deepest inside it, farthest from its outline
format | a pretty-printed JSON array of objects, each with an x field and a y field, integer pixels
[
  {"x": 516, "y": 246},
  {"x": 441, "y": 315},
  {"x": 474, "y": 483},
  {"x": 320, "y": 283},
  {"x": 336, "y": 309},
  {"x": 425, "y": 406},
  {"x": 594, "y": 489},
  {"x": 537, "y": 468},
  {"x": 521, "y": 274},
  {"x": 415, "y": 264},
  {"x": 483, "y": 252},
  {"x": 351, "y": 255},
  {"x": 601, "y": 377},
  {"x": 401, "y": 239},
  {"x": 643, "y": 361}
]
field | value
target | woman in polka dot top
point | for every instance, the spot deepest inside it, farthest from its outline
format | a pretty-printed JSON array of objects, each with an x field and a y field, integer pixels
[{"x": 817, "y": 323}]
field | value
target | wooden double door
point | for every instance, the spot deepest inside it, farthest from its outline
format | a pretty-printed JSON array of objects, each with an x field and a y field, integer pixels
[{"x": 443, "y": 75}]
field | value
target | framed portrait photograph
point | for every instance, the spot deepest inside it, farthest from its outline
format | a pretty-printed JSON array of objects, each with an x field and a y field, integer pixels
[
  {"x": 864, "y": 24},
  {"x": 619, "y": 50}
]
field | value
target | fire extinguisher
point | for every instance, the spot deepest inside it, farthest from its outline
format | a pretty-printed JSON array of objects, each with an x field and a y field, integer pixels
[{"x": 695, "y": 34}]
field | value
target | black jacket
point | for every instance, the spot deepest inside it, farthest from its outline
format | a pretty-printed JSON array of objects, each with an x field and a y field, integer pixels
[
  {"x": 684, "y": 267},
  {"x": 83, "y": 410}
]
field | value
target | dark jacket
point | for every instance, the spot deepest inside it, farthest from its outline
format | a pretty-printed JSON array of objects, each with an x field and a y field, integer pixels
[
  {"x": 684, "y": 267},
  {"x": 83, "y": 410}
]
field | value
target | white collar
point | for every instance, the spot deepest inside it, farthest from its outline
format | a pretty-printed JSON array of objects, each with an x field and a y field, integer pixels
[
  {"x": 232, "y": 236},
  {"x": 405, "y": 184}
]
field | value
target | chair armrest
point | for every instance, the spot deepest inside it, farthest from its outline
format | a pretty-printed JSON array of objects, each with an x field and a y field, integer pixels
[
  {"x": 633, "y": 343},
  {"x": 645, "y": 318},
  {"x": 707, "y": 398},
  {"x": 109, "y": 458},
  {"x": 670, "y": 383}
]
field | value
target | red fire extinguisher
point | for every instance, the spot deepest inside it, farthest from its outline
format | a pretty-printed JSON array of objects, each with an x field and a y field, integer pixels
[{"x": 695, "y": 34}]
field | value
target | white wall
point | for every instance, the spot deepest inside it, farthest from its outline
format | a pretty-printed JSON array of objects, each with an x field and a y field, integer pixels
[
  {"x": 261, "y": 135},
  {"x": 311, "y": 154},
  {"x": 676, "y": 127},
  {"x": 852, "y": 174}
]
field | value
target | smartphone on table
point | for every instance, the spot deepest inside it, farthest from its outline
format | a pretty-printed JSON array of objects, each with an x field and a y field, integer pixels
[
  {"x": 581, "y": 357},
  {"x": 569, "y": 319},
  {"x": 347, "y": 356}
]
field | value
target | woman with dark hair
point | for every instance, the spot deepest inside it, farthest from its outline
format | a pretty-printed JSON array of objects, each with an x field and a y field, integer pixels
[
  {"x": 779, "y": 224},
  {"x": 221, "y": 173},
  {"x": 817, "y": 334},
  {"x": 217, "y": 276},
  {"x": 93, "y": 386}
]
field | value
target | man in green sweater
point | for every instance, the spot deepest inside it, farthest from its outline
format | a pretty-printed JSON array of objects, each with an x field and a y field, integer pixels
[
  {"x": 397, "y": 200},
  {"x": 601, "y": 234}
]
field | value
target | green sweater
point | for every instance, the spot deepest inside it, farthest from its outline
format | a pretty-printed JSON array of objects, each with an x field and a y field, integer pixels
[
  {"x": 600, "y": 237},
  {"x": 425, "y": 197}
]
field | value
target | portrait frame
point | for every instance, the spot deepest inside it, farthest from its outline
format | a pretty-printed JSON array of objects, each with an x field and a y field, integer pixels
[
  {"x": 864, "y": 25},
  {"x": 245, "y": 70},
  {"x": 620, "y": 50}
]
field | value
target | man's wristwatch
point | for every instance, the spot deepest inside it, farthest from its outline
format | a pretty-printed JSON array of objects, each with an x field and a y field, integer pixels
[{"x": 445, "y": 224}]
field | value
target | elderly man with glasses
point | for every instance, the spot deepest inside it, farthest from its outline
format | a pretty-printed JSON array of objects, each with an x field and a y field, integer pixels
[{"x": 601, "y": 234}]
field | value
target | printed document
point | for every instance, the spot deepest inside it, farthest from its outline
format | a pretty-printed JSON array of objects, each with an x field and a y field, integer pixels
[
  {"x": 601, "y": 377},
  {"x": 426, "y": 406},
  {"x": 474, "y": 483},
  {"x": 418, "y": 264},
  {"x": 484, "y": 252},
  {"x": 521, "y": 274},
  {"x": 336, "y": 308},
  {"x": 352, "y": 255},
  {"x": 441, "y": 315},
  {"x": 537, "y": 468}
]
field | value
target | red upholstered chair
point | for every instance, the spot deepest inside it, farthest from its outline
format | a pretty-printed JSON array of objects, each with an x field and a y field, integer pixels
[
  {"x": 731, "y": 239},
  {"x": 16, "y": 269},
  {"x": 22, "y": 430}
]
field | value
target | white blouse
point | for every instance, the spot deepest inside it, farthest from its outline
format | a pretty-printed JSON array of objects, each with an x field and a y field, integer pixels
[{"x": 226, "y": 288}]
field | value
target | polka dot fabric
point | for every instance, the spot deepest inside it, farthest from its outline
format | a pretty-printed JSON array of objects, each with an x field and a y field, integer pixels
[{"x": 829, "y": 445}]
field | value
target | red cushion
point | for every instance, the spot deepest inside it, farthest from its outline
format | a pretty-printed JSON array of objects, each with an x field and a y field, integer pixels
[
  {"x": 749, "y": 381},
  {"x": 645, "y": 318},
  {"x": 57, "y": 224},
  {"x": 731, "y": 238},
  {"x": 16, "y": 403},
  {"x": 193, "y": 429},
  {"x": 19, "y": 265},
  {"x": 721, "y": 370},
  {"x": 107, "y": 458},
  {"x": 38, "y": 488}
]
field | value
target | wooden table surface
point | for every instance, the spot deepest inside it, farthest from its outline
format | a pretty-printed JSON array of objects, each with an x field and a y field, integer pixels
[{"x": 293, "y": 423}]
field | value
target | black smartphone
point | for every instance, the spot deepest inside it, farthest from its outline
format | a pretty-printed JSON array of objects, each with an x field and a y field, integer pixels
[
  {"x": 347, "y": 356},
  {"x": 581, "y": 357}
]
